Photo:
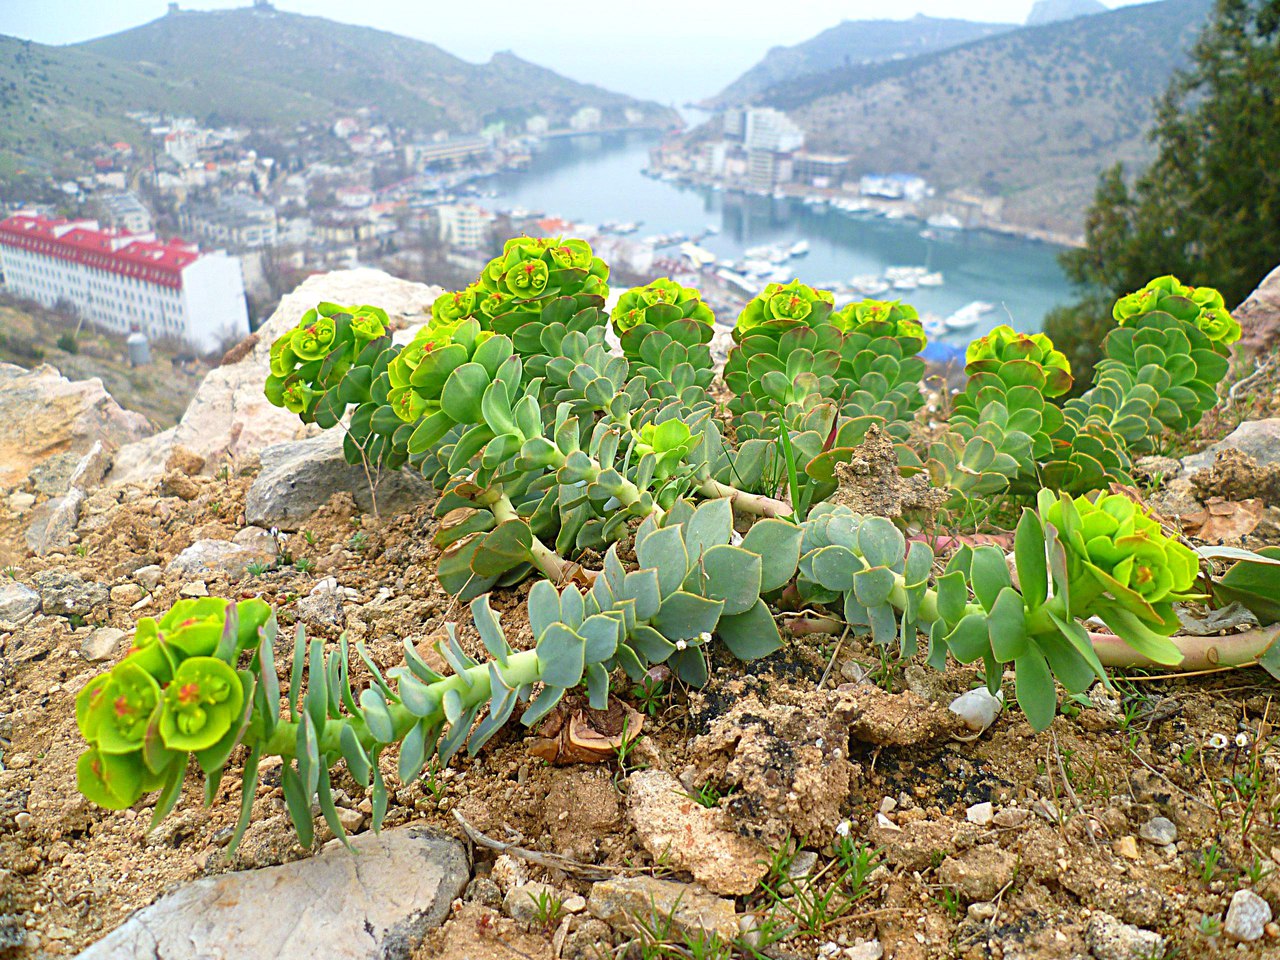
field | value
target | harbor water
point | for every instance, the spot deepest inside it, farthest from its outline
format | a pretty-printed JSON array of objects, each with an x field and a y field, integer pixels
[{"x": 599, "y": 179}]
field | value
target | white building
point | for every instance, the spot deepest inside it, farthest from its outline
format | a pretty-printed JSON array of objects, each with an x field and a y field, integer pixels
[
  {"x": 537, "y": 125},
  {"x": 464, "y": 225},
  {"x": 183, "y": 146},
  {"x": 126, "y": 211},
  {"x": 587, "y": 118},
  {"x": 773, "y": 130},
  {"x": 894, "y": 186},
  {"x": 123, "y": 281}
]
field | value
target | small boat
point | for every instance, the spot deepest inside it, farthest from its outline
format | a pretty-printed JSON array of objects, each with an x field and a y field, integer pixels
[
  {"x": 945, "y": 221},
  {"x": 800, "y": 248},
  {"x": 968, "y": 315},
  {"x": 930, "y": 279}
]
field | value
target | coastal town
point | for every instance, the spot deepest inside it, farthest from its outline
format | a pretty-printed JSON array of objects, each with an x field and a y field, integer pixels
[{"x": 360, "y": 191}]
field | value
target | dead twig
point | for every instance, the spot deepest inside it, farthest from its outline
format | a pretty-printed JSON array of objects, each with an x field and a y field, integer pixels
[{"x": 552, "y": 861}]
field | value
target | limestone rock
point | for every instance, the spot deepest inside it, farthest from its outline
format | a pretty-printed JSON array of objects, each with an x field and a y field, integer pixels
[
  {"x": 980, "y": 873},
  {"x": 1260, "y": 439},
  {"x": 1109, "y": 939},
  {"x": 695, "y": 838},
  {"x": 1247, "y": 916},
  {"x": 101, "y": 644},
  {"x": 42, "y": 414},
  {"x": 690, "y": 910},
  {"x": 63, "y": 593},
  {"x": 300, "y": 476},
  {"x": 229, "y": 417},
  {"x": 1259, "y": 315},
  {"x": 53, "y": 523},
  {"x": 374, "y": 904},
  {"x": 209, "y": 557},
  {"x": 1159, "y": 830},
  {"x": 18, "y": 602},
  {"x": 148, "y": 577}
]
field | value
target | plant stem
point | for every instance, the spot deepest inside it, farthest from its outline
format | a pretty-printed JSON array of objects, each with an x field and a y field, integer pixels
[
  {"x": 473, "y": 685},
  {"x": 549, "y": 563},
  {"x": 756, "y": 504},
  {"x": 1198, "y": 653}
]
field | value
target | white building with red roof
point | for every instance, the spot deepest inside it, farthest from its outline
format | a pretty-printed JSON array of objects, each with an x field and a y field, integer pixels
[{"x": 125, "y": 281}]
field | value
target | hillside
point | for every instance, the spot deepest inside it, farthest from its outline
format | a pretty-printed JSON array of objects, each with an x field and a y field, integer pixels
[
  {"x": 1031, "y": 115},
  {"x": 265, "y": 68},
  {"x": 851, "y": 43},
  {"x": 1051, "y": 11},
  {"x": 312, "y": 62}
]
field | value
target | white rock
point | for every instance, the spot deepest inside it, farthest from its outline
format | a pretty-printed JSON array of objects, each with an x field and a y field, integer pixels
[
  {"x": 148, "y": 577},
  {"x": 21, "y": 502},
  {"x": 210, "y": 557},
  {"x": 229, "y": 417},
  {"x": 980, "y": 813},
  {"x": 43, "y": 414},
  {"x": 978, "y": 708},
  {"x": 18, "y": 602},
  {"x": 868, "y": 950},
  {"x": 196, "y": 588},
  {"x": 1159, "y": 831},
  {"x": 371, "y": 903},
  {"x": 1247, "y": 916},
  {"x": 101, "y": 644}
]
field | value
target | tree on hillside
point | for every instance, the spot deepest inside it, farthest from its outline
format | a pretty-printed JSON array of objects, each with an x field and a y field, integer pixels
[{"x": 1208, "y": 207}]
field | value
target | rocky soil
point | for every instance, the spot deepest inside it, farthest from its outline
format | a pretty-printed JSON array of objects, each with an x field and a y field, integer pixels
[{"x": 816, "y": 804}]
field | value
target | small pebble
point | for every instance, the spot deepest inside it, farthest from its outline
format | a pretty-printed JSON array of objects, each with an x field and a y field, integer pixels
[
  {"x": 888, "y": 805},
  {"x": 980, "y": 813},
  {"x": 1247, "y": 917},
  {"x": 1159, "y": 831},
  {"x": 1127, "y": 847},
  {"x": 196, "y": 588}
]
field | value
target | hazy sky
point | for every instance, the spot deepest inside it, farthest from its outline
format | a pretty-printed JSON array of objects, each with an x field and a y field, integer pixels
[{"x": 662, "y": 49}]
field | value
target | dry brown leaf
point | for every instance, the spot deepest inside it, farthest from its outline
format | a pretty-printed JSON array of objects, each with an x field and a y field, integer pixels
[
  {"x": 1224, "y": 520},
  {"x": 575, "y": 733}
]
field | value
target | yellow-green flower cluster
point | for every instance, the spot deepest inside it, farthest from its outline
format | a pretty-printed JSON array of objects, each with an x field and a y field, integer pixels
[
  {"x": 1203, "y": 307},
  {"x": 791, "y": 303},
  {"x": 1004, "y": 344},
  {"x": 883, "y": 318},
  {"x": 316, "y": 354},
  {"x": 176, "y": 693},
  {"x": 659, "y": 303}
]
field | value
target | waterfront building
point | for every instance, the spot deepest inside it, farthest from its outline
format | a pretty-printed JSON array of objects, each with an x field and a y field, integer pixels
[
  {"x": 464, "y": 225},
  {"x": 733, "y": 123},
  {"x": 772, "y": 130},
  {"x": 537, "y": 125},
  {"x": 767, "y": 168},
  {"x": 451, "y": 151},
  {"x": 587, "y": 118},
  {"x": 894, "y": 186},
  {"x": 126, "y": 211},
  {"x": 123, "y": 281},
  {"x": 822, "y": 170}
]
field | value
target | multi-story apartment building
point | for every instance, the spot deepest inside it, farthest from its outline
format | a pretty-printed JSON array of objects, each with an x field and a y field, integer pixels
[
  {"x": 126, "y": 211},
  {"x": 233, "y": 219},
  {"x": 123, "y": 281},
  {"x": 464, "y": 225}
]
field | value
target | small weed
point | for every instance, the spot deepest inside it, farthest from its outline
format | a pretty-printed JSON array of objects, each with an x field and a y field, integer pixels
[
  {"x": 257, "y": 568},
  {"x": 709, "y": 795},
  {"x": 1208, "y": 859},
  {"x": 358, "y": 541},
  {"x": 949, "y": 901},
  {"x": 310, "y": 537},
  {"x": 1257, "y": 871},
  {"x": 76, "y": 621},
  {"x": 1187, "y": 756},
  {"x": 626, "y": 744},
  {"x": 858, "y": 860},
  {"x": 82, "y": 549},
  {"x": 431, "y": 781},
  {"x": 1209, "y": 927},
  {"x": 649, "y": 694},
  {"x": 223, "y": 474},
  {"x": 548, "y": 907},
  {"x": 304, "y": 565},
  {"x": 11, "y": 572}
]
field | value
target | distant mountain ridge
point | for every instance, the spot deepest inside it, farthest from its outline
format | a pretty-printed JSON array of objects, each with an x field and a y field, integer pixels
[
  {"x": 259, "y": 66},
  {"x": 1031, "y": 115},
  {"x": 852, "y": 43},
  {"x": 1051, "y": 11}
]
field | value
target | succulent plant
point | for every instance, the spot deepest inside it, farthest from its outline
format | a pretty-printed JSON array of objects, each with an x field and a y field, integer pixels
[
  {"x": 1004, "y": 346},
  {"x": 176, "y": 694},
  {"x": 780, "y": 307},
  {"x": 883, "y": 318},
  {"x": 1201, "y": 307}
]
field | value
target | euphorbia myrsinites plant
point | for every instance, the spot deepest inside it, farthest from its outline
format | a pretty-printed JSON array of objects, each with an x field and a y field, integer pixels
[{"x": 548, "y": 448}]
